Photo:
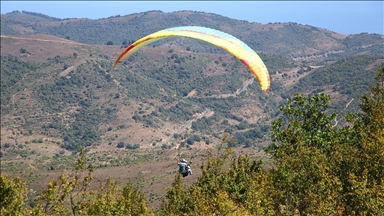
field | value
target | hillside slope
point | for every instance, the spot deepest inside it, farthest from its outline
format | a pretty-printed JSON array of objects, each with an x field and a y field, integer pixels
[
  {"x": 289, "y": 39},
  {"x": 66, "y": 92}
]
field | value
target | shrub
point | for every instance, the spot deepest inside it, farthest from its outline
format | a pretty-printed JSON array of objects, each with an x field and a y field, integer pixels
[{"x": 121, "y": 144}]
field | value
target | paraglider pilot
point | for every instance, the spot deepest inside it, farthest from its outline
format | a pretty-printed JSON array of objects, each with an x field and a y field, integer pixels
[{"x": 185, "y": 167}]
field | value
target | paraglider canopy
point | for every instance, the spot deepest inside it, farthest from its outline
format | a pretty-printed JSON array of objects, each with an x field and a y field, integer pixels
[{"x": 221, "y": 39}]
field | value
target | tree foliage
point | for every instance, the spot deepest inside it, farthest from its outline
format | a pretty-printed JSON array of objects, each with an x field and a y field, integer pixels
[
  {"x": 13, "y": 193},
  {"x": 227, "y": 186},
  {"x": 319, "y": 169},
  {"x": 74, "y": 193},
  {"x": 362, "y": 164}
]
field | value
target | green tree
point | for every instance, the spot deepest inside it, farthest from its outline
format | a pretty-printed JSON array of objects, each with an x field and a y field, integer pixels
[
  {"x": 321, "y": 169},
  {"x": 22, "y": 50},
  {"x": 72, "y": 188},
  {"x": 372, "y": 134},
  {"x": 108, "y": 201},
  {"x": 12, "y": 195},
  {"x": 228, "y": 185},
  {"x": 121, "y": 144},
  {"x": 302, "y": 137},
  {"x": 358, "y": 156}
]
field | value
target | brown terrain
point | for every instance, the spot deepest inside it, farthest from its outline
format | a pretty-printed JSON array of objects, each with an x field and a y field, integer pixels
[{"x": 153, "y": 176}]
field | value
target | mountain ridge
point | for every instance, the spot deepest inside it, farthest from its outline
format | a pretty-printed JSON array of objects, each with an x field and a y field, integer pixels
[{"x": 288, "y": 39}]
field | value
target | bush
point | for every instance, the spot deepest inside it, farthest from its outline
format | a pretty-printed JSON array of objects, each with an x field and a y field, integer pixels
[
  {"x": 190, "y": 141},
  {"x": 121, "y": 127},
  {"x": 121, "y": 144},
  {"x": 132, "y": 147}
]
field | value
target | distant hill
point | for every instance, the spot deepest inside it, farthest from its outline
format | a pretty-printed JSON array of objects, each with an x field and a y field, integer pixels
[
  {"x": 289, "y": 39},
  {"x": 57, "y": 82}
]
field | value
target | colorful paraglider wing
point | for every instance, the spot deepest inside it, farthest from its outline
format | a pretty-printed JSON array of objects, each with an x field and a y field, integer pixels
[{"x": 221, "y": 39}]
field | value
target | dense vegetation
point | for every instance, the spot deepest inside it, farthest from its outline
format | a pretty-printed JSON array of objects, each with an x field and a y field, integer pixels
[
  {"x": 90, "y": 96},
  {"x": 344, "y": 77},
  {"x": 60, "y": 95},
  {"x": 341, "y": 76},
  {"x": 12, "y": 71},
  {"x": 72, "y": 107},
  {"x": 318, "y": 170}
]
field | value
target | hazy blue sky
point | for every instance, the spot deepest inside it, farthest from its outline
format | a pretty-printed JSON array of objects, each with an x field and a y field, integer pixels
[{"x": 346, "y": 17}]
